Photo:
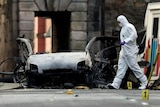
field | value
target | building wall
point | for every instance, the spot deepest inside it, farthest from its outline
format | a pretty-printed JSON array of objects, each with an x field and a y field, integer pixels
[
  {"x": 6, "y": 40},
  {"x": 86, "y": 17},
  {"x": 134, "y": 10},
  {"x": 78, "y": 8}
]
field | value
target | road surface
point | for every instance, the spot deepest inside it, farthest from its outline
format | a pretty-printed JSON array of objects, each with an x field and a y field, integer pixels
[{"x": 77, "y": 98}]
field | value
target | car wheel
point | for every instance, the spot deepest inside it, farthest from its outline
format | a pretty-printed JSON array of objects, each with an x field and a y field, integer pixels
[
  {"x": 89, "y": 79},
  {"x": 103, "y": 73},
  {"x": 31, "y": 82}
]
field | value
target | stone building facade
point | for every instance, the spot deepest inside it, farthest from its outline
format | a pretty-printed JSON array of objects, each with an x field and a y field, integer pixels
[{"x": 88, "y": 18}]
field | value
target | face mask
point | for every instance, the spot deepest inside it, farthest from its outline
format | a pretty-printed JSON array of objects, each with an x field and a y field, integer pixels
[{"x": 120, "y": 24}]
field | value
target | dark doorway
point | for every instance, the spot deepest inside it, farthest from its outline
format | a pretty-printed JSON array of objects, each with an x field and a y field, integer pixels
[{"x": 60, "y": 29}]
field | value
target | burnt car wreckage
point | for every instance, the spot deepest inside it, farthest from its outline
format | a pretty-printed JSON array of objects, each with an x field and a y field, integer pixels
[
  {"x": 69, "y": 69},
  {"x": 95, "y": 66}
]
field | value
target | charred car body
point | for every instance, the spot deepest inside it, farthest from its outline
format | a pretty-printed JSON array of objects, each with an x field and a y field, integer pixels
[
  {"x": 57, "y": 68},
  {"x": 73, "y": 68}
]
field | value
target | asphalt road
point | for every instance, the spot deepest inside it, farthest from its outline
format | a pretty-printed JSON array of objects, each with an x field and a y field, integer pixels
[{"x": 77, "y": 98}]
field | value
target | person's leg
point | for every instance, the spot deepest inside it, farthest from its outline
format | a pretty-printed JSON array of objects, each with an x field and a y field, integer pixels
[
  {"x": 132, "y": 62},
  {"x": 122, "y": 68}
]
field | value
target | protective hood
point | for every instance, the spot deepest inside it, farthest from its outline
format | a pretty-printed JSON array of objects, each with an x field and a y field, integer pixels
[
  {"x": 123, "y": 20},
  {"x": 129, "y": 35}
]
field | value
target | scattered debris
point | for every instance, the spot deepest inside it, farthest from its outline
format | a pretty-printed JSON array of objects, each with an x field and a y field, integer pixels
[
  {"x": 82, "y": 87},
  {"x": 69, "y": 91}
]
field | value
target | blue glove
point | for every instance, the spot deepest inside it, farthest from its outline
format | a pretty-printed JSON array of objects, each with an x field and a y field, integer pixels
[{"x": 122, "y": 43}]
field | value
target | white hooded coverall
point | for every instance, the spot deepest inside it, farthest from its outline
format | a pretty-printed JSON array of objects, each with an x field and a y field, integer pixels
[{"x": 128, "y": 53}]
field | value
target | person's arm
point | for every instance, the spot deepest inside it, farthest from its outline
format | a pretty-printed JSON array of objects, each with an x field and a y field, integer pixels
[{"x": 132, "y": 35}]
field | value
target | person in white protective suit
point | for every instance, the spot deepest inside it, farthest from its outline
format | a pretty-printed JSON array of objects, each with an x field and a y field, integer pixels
[{"x": 128, "y": 54}]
